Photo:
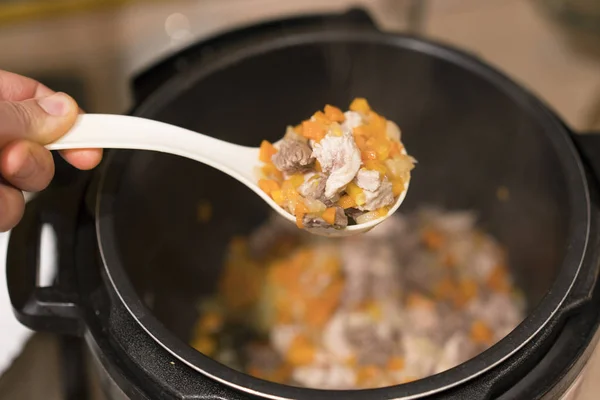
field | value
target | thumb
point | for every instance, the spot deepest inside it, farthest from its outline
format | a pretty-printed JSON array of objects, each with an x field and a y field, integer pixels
[{"x": 40, "y": 120}]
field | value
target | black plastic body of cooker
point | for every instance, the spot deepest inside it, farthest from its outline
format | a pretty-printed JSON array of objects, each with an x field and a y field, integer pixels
[{"x": 82, "y": 302}]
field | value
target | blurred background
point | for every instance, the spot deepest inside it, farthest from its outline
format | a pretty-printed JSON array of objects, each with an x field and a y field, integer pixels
[{"x": 92, "y": 49}]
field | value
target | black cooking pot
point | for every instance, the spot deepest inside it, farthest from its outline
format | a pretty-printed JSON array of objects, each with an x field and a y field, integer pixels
[{"x": 134, "y": 260}]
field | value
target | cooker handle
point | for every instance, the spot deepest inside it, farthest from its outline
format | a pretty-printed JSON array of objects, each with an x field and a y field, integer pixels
[
  {"x": 49, "y": 309},
  {"x": 54, "y": 308}
]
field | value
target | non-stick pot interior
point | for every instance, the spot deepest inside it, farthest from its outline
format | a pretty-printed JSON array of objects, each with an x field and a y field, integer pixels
[{"x": 471, "y": 140}]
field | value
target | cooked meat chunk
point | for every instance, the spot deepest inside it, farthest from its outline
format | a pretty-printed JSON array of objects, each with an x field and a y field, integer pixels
[
  {"x": 369, "y": 271},
  {"x": 375, "y": 343},
  {"x": 340, "y": 159},
  {"x": 381, "y": 197},
  {"x": 351, "y": 121},
  {"x": 293, "y": 156},
  {"x": 354, "y": 212},
  {"x": 341, "y": 220},
  {"x": 404, "y": 301},
  {"x": 314, "y": 187},
  {"x": 368, "y": 179}
]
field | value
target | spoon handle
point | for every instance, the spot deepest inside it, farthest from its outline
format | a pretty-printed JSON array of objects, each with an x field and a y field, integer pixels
[{"x": 127, "y": 132}]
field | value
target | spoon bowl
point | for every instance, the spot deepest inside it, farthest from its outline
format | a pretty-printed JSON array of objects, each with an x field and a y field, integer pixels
[{"x": 127, "y": 132}]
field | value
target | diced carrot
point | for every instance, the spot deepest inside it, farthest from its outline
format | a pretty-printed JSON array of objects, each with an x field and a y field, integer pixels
[
  {"x": 356, "y": 193},
  {"x": 497, "y": 279},
  {"x": 329, "y": 215},
  {"x": 362, "y": 131},
  {"x": 360, "y": 104},
  {"x": 331, "y": 265},
  {"x": 377, "y": 123},
  {"x": 382, "y": 149},
  {"x": 277, "y": 196},
  {"x": 267, "y": 150},
  {"x": 301, "y": 351},
  {"x": 300, "y": 211},
  {"x": 366, "y": 374},
  {"x": 321, "y": 118},
  {"x": 296, "y": 180},
  {"x": 313, "y": 130},
  {"x": 368, "y": 155},
  {"x": 481, "y": 333},
  {"x": 432, "y": 239},
  {"x": 301, "y": 208},
  {"x": 346, "y": 202},
  {"x": 268, "y": 185},
  {"x": 375, "y": 165},
  {"x": 383, "y": 211},
  {"x": 287, "y": 186},
  {"x": 334, "y": 113},
  {"x": 395, "y": 363},
  {"x": 397, "y": 187},
  {"x": 300, "y": 220},
  {"x": 361, "y": 142},
  {"x": 324, "y": 305},
  {"x": 271, "y": 172}
]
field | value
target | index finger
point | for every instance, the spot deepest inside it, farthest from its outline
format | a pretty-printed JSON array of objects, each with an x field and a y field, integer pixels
[{"x": 14, "y": 87}]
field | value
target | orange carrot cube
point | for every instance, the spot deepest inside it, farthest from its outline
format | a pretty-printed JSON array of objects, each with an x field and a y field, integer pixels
[
  {"x": 268, "y": 185},
  {"x": 334, "y": 113},
  {"x": 267, "y": 150},
  {"x": 360, "y": 104},
  {"x": 329, "y": 215},
  {"x": 346, "y": 202}
]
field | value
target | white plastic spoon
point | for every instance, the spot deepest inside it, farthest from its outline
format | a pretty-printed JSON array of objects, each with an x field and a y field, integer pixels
[{"x": 240, "y": 162}]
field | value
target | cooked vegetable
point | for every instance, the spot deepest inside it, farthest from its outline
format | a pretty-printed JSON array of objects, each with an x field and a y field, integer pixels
[
  {"x": 415, "y": 296},
  {"x": 352, "y": 160}
]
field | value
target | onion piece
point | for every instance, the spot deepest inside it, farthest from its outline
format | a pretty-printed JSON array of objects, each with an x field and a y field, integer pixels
[{"x": 368, "y": 217}]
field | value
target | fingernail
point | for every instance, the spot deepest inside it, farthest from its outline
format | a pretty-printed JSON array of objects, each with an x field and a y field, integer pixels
[
  {"x": 56, "y": 105},
  {"x": 28, "y": 167}
]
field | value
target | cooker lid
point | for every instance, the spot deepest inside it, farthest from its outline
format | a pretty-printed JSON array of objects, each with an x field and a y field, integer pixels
[{"x": 471, "y": 129}]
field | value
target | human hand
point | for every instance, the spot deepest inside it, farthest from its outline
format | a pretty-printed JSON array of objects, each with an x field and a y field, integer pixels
[{"x": 32, "y": 115}]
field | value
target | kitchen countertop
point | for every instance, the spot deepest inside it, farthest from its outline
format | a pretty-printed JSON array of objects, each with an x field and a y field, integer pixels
[{"x": 558, "y": 63}]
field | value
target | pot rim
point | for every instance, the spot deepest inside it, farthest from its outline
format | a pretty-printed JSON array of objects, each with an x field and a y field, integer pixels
[{"x": 556, "y": 132}]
